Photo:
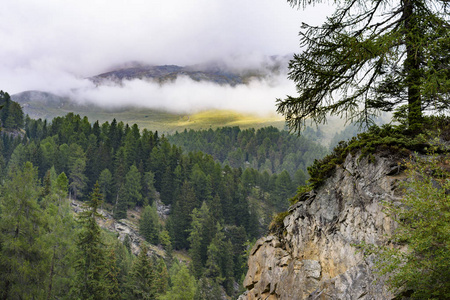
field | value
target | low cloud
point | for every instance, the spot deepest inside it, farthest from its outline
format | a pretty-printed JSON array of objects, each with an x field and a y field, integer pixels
[{"x": 185, "y": 95}]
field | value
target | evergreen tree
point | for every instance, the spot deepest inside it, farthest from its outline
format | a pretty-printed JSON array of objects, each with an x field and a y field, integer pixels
[
  {"x": 184, "y": 286},
  {"x": 142, "y": 276},
  {"x": 23, "y": 257},
  {"x": 370, "y": 57},
  {"x": 181, "y": 217},
  {"x": 423, "y": 218},
  {"x": 149, "y": 224},
  {"x": 219, "y": 265},
  {"x": 195, "y": 244},
  {"x": 148, "y": 188},
  {"x": 58, "y": 238},
  {"x": 161, "y": 282},
  {"x": 105, "y": 182},
  {"x": 112, "y": 275},
  {"x": 90, "y": 263},
  {"x": 132, "y": 187}
]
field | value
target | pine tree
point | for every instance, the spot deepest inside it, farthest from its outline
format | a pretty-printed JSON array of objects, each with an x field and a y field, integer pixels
[
  {"x": 23, "y": 256},
  {"x": 195, "y": 244},
  {"x": 184, "y": 286},
  {"x": 148, "y": 188},
  {"x": 181, "y": 217},
  {"x": 132, "y": 187},
  {"x": 161, "y": 282},
  {"x": 105, "y": 182},
  {"x": 112, "y": 275},
  {"x": 142, "y": 276},
  {"x": 149, "y": 224},
  {"x": 58, "y": 237},
  {"x": 90, "y": 264},
  {"x": 219, "y": 265}
]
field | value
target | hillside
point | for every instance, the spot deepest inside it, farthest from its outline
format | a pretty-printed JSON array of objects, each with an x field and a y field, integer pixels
[
  {"x": 216, "y": 72},
  {"x": 43, "y": 105}
]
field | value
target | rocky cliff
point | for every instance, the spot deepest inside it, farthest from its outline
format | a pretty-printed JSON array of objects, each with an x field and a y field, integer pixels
[{"x": 314, "y": 255}]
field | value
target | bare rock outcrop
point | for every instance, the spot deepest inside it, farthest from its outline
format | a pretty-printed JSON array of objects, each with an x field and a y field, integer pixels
[{"x": 314, "y": 255}]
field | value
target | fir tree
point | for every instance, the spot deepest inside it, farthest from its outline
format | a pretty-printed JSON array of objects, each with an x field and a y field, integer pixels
[
  {"x": 149, "y": 224},
  {"x": 142, "y": 276},
  {"x": 23, "y": 258},
  {"x": 90, "y": 264},
  {"x": 132, "y": 187}
]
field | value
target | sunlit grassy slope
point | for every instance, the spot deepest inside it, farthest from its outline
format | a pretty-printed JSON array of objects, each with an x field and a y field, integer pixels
[
  {"x": 47, "y": 106},
  {"x": 165, "y": 122},
  {"x": 161, "y": 121}
]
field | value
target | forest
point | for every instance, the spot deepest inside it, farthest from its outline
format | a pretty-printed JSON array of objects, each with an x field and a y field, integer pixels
[
  {"x": 218, "y": 206},
  {"x": 266, "y": 149}
]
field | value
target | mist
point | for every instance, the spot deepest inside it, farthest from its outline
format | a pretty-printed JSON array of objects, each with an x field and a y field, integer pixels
[
  {"x": 55, "y": 46},
  {"x": 185, "y": 95}
]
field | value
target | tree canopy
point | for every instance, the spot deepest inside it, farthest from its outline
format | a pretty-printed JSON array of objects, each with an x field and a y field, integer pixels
[{"x": 370, "y": 57}]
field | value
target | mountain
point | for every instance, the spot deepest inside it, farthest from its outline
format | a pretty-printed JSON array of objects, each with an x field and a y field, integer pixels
[{"x": 216, "y": 72}]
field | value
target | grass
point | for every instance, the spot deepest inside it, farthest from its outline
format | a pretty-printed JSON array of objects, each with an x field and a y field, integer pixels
[{"x": 158, "y": 120}]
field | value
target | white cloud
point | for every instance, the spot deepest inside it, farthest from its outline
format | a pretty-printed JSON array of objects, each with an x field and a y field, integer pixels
[
  {"x": 186, "y": 95},
  {"x": 51, "y": 45}
]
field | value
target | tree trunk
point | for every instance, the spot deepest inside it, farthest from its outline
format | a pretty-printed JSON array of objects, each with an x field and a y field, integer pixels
[{"x": 412, "y": 66}]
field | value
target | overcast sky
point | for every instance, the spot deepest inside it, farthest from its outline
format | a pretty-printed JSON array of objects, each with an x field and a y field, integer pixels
[{"x": 53, "y": 45}]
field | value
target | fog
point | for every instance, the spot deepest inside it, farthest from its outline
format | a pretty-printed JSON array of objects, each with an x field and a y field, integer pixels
[
  {"x": 185, "y": 95},
  {"x": 55, "y": 45}
]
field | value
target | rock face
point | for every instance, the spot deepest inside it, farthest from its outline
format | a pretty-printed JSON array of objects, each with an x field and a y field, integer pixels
[
  {"x": 314, "y": 254},
  {"x": 123, "y": 229}
]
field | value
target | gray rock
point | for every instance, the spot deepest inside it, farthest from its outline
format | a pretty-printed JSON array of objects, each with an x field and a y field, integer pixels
[{"x": 314, "y": 256}]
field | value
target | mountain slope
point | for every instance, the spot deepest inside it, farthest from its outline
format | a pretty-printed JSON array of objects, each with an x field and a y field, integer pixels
[
  {"x": 43, "y": 105},
  {"x": 216, "y": 72}
]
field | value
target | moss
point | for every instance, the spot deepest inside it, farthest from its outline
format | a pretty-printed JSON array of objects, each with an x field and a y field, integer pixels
[
  {"x": 384, "y": 139},
  {"x": 277, "y": 222},
  {"x": 301, "y": 193},
  {"x": 387, "y": 139}
]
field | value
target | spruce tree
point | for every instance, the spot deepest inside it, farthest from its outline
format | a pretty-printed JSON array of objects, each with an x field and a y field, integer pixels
[
  {"x": 23, "y": 255},
  {"x": 149, "y": 224},
  {"x": 90, "y": 263},
  {"x": 132, "y": 187},
  {"x": 142, "y": 276}
]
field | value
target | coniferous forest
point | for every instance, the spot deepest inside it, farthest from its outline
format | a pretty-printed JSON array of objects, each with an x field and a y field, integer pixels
[{"x": 218, "y": 204}]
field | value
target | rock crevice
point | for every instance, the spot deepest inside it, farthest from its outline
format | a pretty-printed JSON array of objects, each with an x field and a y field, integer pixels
[{"x": 314, "y": 256}]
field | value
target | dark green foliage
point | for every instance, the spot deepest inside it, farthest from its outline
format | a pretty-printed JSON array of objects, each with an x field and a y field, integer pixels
[
  {"x": 181, "y": 217},
  {"x": 142, "y": 276},
  {"x": 150, "y": 166},
  {"x": 220, "y": 260},
  {"x": 423, "y": 218},
  {"x": 385, "y": 139},
  {"x": 90, "y": 264},
  {"x": 184, "y": 285},
  {"x": 372, "y": 56},
  {"x": 22, "y": 253},
  {"x": 105, "y": 182},
  {"x": 11, "y": 114},
  {"x": 264, "y": 149},
  {"x": 149, "y": 224},
  {"x": 132, "y": 188}
]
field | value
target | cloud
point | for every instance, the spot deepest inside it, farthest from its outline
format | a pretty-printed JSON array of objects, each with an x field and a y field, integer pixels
[
  {"x": 185, "y": 95},
  {"x": 53, "y": 45}
]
